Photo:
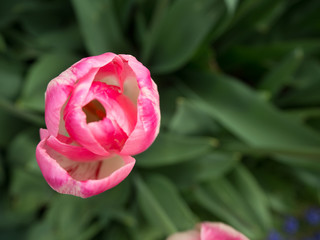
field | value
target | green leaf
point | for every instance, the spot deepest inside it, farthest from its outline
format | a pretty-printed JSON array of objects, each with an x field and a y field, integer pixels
[
  {"x": 253, "y": 195},
  {"x": 227, "y": 201},
  {"x": 30, "y": 191},
  {"x": 280, "y": 75},
  {"x": 188, "y": 120},
  {"x": 21, "y": 152},
  {"x": 40, "y": 73},
  {"x": 10, "y": 78},
  {"x": 162, "y": 206},
  {"x": 211, "y": 166},
  {"x": 245, "y": 114},
  {"x": 180, "y": 33},
  {"x": 9, "y": 127},
  {"x": 66, "y": 212},
  {"x": 100, "y": 26},
  {"x": 170, "y": 149}
]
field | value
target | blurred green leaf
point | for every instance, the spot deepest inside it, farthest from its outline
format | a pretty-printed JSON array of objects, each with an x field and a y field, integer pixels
[
  {"x": 162, "y": 206},
  {"x": 280, "y": 75},
  {"x": 180, "y": 32},
  {"x": 39, "y": 75},
  {"x": 64, "y": 39},
  {"x": 67, "y": 218},
  {"x": 100, "y": 26},
  {"x": 222, "y": 199},
  {"x": 245, "y": 114},
  {"x": 9, "y": 127},
  {"x": 253, "y": 196},
  {"x": 211, "y": 166},
  {"x": 21, "y": 152},
  {"x": 189, "y": 120},
  {"x": 29, "y": 191},
  {"x": 10, "y": 78},
  {"x": 170, "y": 149}
]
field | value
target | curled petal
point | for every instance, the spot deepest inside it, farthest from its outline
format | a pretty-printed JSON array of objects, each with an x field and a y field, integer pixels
[
  {"x": 78, "y": 178},
  {"x": 148, "y": 118}
]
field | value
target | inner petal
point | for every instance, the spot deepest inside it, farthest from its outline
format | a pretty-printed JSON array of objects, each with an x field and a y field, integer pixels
[{"x": 94, "y": 111}]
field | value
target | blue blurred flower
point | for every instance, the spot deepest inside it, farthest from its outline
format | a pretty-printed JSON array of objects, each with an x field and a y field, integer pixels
[
  {"x": 274, "y": 235},
  {"x": 291, "y": 225},
  {"x": 313, "y": 216}
]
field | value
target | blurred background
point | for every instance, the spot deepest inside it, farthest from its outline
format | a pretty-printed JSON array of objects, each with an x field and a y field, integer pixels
[{"x": 239, "y": 83}]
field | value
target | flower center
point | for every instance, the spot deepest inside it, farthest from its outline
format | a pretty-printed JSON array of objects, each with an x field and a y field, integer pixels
[{"x": 94, "y": 111}]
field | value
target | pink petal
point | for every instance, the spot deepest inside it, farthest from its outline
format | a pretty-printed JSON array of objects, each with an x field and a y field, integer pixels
[
  {"x": 76, "y": 153},
  {"x": 77, "y": 127},
  {"x": 220, "y": 231},
  {"x": 59, "y": 89},
  {"x": 148, "y": 119},
  {"x": 81, "y": 179},
  {"x": 188, "y": 235}
]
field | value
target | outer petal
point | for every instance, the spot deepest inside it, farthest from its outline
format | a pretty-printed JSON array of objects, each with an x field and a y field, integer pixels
[
  {"x": 148, "y": 119},
  {"x": 72, "y": 182},
  {"x": 220, "y": 231},
  {"x": 59, "y": 89},
  {"x": 188, "y": 235}
]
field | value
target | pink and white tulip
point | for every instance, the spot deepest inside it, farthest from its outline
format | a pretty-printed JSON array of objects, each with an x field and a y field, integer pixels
[
  {"x": 209, "y": 231},
  {"x": 98, "y": 113}
]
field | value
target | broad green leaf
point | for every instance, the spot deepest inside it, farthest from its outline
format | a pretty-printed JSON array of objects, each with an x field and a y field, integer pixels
[
  {"x": 170, "y": 149},
  {"x": 40, "y": 73},
  {"x": 211, "y": 166},
  {"x": 180, "y": 33},
  {"x": 221, "y": 200},
  {"x": 253, "y": 195},
  {"x": 100, "y": 26},
  {"x": 279, "y": 76},
  {"x": 162, "y": 206},
  {"x": 245, "y": 114},
  {"x": 188, "y": 120}
]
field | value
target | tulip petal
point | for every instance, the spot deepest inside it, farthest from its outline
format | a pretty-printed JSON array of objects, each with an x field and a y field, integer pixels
[
  {"x": 76, "y": 153},
  {"x": 188, "y": 235},
  {"x": 148, "y": 119},
  {"x": 220, "y": 231},
  {"x": 81, "y": 179},
  {"x": 60, "y": 88}
]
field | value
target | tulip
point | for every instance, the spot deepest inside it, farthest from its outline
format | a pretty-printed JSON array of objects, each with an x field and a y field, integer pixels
[
  {"x": 98, "y": 113},
  {"x": 209, "y": 231}
]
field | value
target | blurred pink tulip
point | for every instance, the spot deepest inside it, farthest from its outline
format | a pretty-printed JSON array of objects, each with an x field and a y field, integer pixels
[
  {"x": 98, "y": 113},
  {"x": 209, "y": 231}
]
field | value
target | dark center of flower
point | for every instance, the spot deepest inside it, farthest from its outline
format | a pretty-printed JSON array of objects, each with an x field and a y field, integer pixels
[{"x": 94, "y": 111}]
